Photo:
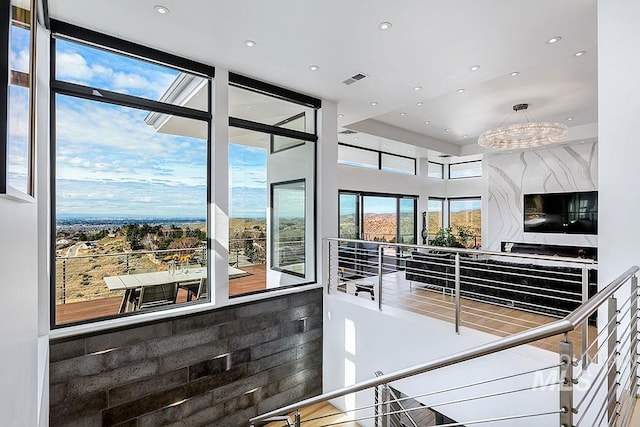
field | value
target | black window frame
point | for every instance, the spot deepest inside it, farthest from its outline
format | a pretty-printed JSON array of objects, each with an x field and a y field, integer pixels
[
  {"x": 360, "y": 211},
  {"x": 380, "y": 153},
  {"x": 444, "y": 220},
  {"x": 441, "y": 169},
  {"x": 272, "y": 189},
  {"x": 288, "y": 95},
  {"x": 66, "y": 31},
  {"x": 461, "y": 163}
]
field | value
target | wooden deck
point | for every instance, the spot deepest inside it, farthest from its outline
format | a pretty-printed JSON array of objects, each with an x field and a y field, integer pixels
[{"x": 84, "y": 310}]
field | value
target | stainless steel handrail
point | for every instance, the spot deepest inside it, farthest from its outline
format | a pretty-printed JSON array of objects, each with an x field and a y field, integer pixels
[
  {"x": 61, "y": 258},
  {"x": 565, "y": 325},
  {"x": 470, "y": 251}
]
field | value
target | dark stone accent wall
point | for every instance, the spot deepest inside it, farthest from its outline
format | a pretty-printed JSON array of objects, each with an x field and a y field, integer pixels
[{"x": 219, "y": 367}]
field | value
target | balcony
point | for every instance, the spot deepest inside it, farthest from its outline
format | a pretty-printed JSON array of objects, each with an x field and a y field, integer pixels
[{"x": 82, "y": 293}]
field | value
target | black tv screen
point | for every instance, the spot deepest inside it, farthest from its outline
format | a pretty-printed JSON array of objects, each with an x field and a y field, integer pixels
[{"x": 573, "y": 213}]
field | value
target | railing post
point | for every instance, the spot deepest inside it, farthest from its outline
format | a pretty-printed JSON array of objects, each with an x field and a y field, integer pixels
[
  {"x": 566, "y": 384},
  {"x": 380, "y": 259},
  {"x": 633, "y": 388},
  {"x": 457, "y": 291},
  {"x": 329, "y": 243},
  {"x": 384, "y": 406},
  {"x": 585, "y": 325},
  {"x": 296, "y": 419},
  {"x": 126, "y": 263},
  {"x": 376, "y": 402},
  {"x": 64, "y": 281},
  {"x": 612, "y": 371}
]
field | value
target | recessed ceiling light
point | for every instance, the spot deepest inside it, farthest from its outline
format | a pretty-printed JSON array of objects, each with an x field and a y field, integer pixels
[
  {"x": 384, "y": 25},
  {"x": 427, "y": 122},
  {"x": 582, "y": 52},
  {"x": 417, "y": 88},
  {"x": 553, "y": 40},
  {"x": 474, "y": 68},
  {"x": 447, "y": 130},
  {"x": 403, "y": 114},
  {"x": 314, "y": 67},
  {"x": 374, "y": 103},
  {"x": 420, "y": 104},
  {"x": 514, "y": 73},
  {"x": 569, "y": 119},
  {"x": 356, "y": 138},
  {"x": 340, "y": 116},
  {"x": 249, "y": 43},
  {"x": 161, "y": 9},
  {"x": 384, "y": 145},
  {"x": 465, "y": 136},
  {"x": 460, "y": 90}
]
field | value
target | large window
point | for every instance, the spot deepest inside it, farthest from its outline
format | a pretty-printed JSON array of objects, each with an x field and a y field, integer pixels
[
  {"x": 435, "y": 170},
  {"x": 465, "y": 170},
  {"x": 465, "y": 218},
  {"x": 435, "y": 217},
  {"x": 377, "y": 217},
  {"x": 130, "y": 156},
  {"x": 272, "y": 144},
  {"x": 288, "y": 226},
  {"x": 350, "y": 155}
]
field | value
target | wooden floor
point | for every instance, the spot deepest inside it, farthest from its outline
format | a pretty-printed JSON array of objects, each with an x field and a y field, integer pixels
[
  {"x": 320, "y": 414},
  {"x": 85, "y": 310},
  {"x": 481, "y": 316}
]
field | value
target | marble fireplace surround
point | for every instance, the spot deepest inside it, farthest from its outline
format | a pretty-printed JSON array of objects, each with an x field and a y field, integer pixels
[{"x": 510, "y": 176}]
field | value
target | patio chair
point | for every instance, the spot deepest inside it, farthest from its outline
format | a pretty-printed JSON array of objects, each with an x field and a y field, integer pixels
[
  {"x": 155, "y": 296},
  {"x": 195, "y": 287}
]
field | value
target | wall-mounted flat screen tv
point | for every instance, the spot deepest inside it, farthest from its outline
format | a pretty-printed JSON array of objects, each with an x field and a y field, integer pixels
[{"x": 573, "y": 213}]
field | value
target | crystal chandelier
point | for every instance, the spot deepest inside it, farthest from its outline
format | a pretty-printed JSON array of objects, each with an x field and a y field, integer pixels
[{"x": 523, "y": 135}]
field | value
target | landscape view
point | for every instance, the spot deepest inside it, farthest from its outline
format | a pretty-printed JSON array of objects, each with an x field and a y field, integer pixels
[{"x": 381, "y": 227}]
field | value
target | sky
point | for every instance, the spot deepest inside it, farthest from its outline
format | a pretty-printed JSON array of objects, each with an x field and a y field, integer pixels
[
  {"x": 18, "y": 104},
  {"x": 110, "y": 163}
]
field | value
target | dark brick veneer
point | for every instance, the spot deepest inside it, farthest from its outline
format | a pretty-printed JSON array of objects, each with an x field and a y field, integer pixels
[{"x": 215, "y": 368}]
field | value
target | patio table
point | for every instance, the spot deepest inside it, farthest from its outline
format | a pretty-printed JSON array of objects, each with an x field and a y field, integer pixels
[{"x": 130, "y": 282}]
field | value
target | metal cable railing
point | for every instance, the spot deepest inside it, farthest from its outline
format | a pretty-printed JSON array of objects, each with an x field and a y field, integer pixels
[
  {"x": 472, "y": 283},
  {"x": 598, "y": 392}
]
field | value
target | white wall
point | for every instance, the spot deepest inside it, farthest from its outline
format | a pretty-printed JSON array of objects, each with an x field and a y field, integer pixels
[
  {"x": 377, "y": 181},
  {"x": 550, "y": 170},
  {"x": 18, "y": 313},
  {"x": 360, "y": 340},
  {"x": 619, "y": 150},
  {"x": 23, "y": 365}
]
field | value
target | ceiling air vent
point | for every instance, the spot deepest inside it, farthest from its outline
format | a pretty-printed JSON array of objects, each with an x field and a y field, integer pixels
[
  {"x": 444, "y": 156},
  {"x": 354, "y": 78},
  {"x": 347, "y": 132}
]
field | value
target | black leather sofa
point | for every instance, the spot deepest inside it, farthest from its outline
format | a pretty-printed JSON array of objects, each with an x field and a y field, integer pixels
[{"x": 549, "y": 290}]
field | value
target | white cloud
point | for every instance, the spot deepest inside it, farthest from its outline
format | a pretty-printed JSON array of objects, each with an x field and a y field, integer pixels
[
  {"x": 72, "y": 65},
  {"x": 19, "y": 61}
]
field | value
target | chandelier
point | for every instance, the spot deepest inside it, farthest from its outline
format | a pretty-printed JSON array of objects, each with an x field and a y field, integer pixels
[{"x": 523, "y": 135}]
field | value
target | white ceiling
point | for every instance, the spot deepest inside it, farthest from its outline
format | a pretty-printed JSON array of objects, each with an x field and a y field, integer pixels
[{"x": 431, "y": 44}]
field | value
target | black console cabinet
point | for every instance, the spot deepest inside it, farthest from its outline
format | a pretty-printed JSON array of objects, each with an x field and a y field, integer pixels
[{"x": 549, "y": 290}]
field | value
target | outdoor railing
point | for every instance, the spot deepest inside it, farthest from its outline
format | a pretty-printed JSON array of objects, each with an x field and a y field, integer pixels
[
  {"x": 81, "y": 277},
  {"x": 600, "y": 393}
]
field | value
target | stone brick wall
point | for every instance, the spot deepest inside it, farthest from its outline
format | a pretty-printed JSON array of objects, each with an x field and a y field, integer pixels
[{"x": 215, "y": 368}]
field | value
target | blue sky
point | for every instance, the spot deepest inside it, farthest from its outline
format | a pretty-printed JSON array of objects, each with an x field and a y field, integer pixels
[
  {"x": 18, "y": 111},
  {"x": 109, "y": 162}
]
